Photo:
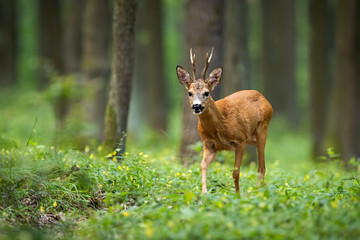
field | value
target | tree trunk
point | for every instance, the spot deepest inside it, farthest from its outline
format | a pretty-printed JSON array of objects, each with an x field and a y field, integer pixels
[
  {"x": 121, "y": 75},
  {"x": 204, "y": 30},
  {"x": 71, "y": 43},
  {"x": 319, "y": 74},
  {"x": 333, "y": 120},
  {"x": 95, "y": 61},
  {"x": 72, "y": 36},
  {"x": 347, "y": 45},
  {"x": 279, "y": 57},
  {"x": 51, "y": 50},
  {"x": 50, "y": 40},
  {"x": 7, "y": 42},
  {"x": 237, "y": 56},
  {"x": 236, "y": 48}
]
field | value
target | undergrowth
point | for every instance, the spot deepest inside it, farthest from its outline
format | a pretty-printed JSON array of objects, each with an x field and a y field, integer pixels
[{"x": 82, "y": 195}]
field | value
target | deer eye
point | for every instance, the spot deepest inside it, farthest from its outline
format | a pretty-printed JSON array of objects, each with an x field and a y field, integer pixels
[
  {"x": 206, "y": 94},
  {"x": 190, "y": 94}
]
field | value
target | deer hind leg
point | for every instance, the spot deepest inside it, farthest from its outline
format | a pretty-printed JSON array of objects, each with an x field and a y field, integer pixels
[
  {"x": 208, "y": 157},
  {"x": 239, "y": 153},
  {"x": 261, "y": 134}
]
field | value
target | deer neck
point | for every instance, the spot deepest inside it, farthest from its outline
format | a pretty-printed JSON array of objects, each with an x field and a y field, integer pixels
[{"x": 211, "y": 118}]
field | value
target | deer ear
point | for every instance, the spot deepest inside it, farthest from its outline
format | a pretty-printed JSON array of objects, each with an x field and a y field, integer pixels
[
  {"x": 214, "y": 77},
  {"x": 183, "y": 76}
]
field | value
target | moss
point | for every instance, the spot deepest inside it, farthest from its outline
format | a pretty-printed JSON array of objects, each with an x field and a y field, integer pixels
[{"x": 111, "y": 137}]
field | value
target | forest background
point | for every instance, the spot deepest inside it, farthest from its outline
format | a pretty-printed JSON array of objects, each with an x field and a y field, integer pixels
[
  {"x": 99, "y": 75},
  {"x": 302, "y": 55}
]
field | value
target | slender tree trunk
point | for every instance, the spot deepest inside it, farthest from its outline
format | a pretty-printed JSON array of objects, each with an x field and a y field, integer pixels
[
  {"x": 333, "y": 129},
  {"x": 236, "y": 55},
  {"x": 204, "y": 30},
  {"x": 279, "y": 56},
  {"x": 7, "y": 42},
  {"x": 121, "y": 75},
  {"x": 319, "y": 74},
  {"x": 95, "y": 61},
  {"x": 347, "y": 45},
  {"x": 236, "y": 48},
  {"x": 73, "y": 36},
  {"x": 50, "y": 39},
  {"x": 51, "y": 50},
  {"x": 71, "y": 45}
]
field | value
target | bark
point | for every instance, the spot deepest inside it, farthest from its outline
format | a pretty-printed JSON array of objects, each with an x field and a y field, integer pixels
[
  {"x": 121, "y": 75},
  {"x": 319, "y": 74},
  {"x": 71, "y": 57},
  {"x": 51, "y": 51},
  {"x": 333, "y": 129},
  {"x": 347, "y": 45},
  {"x": 73, "y": 36},
  {"x": 236, "y": 48},
  {"x": 95, "y": 61},
  {"x": 7, "y": 42},
  {"x": 50, "y": 40},
  {"x": 279, "y": 57},
  {"x": 236, "y": 55},
  {"x": 204, "y": 21}
]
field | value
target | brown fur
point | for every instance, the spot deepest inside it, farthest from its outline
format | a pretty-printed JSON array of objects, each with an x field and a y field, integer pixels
[{"x": 226, "y": 123}]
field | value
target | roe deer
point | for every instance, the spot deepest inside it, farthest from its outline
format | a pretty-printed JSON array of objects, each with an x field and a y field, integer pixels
[{"x": 227, "y": 124}]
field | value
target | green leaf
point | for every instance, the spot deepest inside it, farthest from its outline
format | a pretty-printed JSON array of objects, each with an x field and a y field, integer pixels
[{"x": 188, "y": 196}]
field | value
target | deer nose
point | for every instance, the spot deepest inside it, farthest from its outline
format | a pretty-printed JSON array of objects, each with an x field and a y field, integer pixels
[{"x": 197, "y": 108}]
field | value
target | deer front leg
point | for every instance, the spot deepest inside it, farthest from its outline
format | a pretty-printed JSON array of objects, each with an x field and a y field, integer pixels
[
  {"x": 208, "y": 157},
  {"x": 239, "y": 153}
]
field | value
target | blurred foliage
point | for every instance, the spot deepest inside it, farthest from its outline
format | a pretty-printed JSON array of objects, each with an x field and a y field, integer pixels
[
  {"x": 19, "y": 109},
  {"x": 63, "y": 87},
  {"x": 302, "y": 58},
  {"x": 28, "y": 48}
]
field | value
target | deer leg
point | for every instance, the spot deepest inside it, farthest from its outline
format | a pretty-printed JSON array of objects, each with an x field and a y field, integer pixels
[
  {"x": 239, "y": 153},
  {"x": 208, "y": 157},
  {"x": 261, "y": 133}
]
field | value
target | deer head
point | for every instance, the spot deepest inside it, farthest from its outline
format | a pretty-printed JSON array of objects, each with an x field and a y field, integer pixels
[{"x": 199, "y": 89}]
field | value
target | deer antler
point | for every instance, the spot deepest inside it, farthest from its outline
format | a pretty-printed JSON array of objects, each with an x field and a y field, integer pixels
[
  {"x": 192, "y": 59},
  {"x": 208, "y": 59}
]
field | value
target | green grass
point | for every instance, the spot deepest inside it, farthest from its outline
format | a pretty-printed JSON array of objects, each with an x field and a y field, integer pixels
[{"x": 50, "y": 192}]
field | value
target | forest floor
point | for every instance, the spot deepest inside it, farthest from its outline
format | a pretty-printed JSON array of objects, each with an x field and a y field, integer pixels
[{"x": 56, "y": 192}]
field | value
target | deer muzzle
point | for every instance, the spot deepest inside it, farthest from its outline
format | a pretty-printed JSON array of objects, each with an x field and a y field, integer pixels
[{"x": 197, "y": 108}]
